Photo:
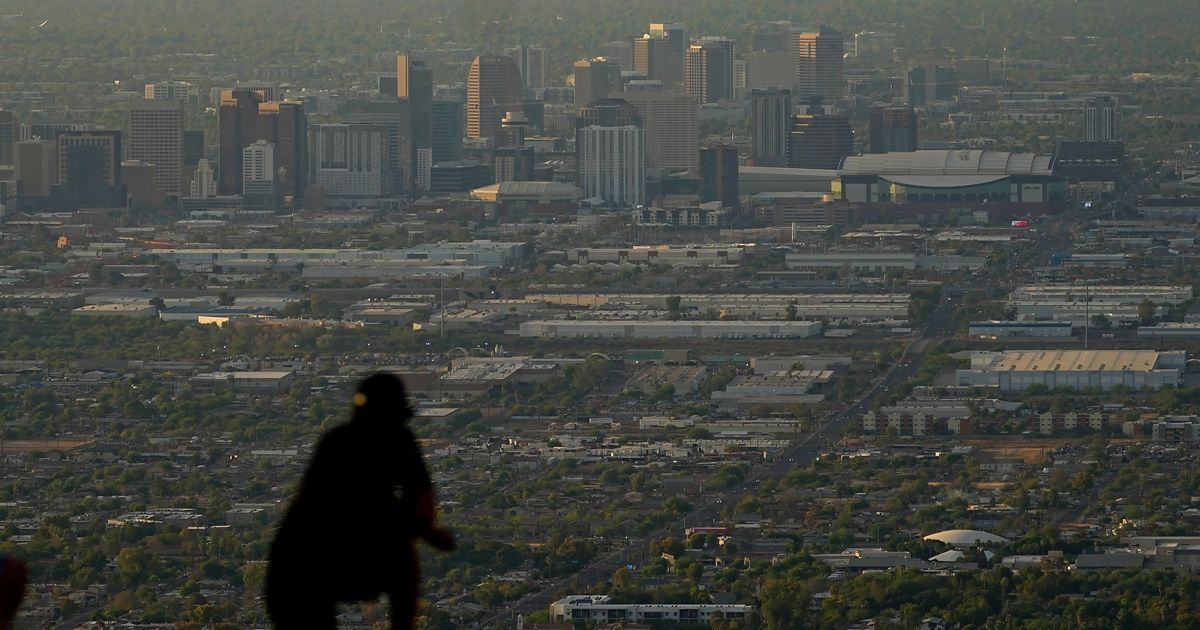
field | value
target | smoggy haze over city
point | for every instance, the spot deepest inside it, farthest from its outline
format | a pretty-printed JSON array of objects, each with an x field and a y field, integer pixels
[{"x": 769, "y": 315}]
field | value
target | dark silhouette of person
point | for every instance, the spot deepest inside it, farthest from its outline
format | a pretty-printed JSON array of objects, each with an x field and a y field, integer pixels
[
  {"x": 347, "y": 535},
  {"x": 13, "y": 575}
]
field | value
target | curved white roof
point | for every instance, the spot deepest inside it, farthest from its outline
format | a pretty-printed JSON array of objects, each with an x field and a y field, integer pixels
[
  {"x": 970, "y": 162},
  {"x": 955, "y": 555},
  {"x": 964, "y": 537},
  {"x": 940, "y": 181}
]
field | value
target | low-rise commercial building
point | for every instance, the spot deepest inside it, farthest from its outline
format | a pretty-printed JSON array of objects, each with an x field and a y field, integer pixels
[
  {"x": 1169, "y": 330},
  {"x": 1176, "y": 430},
  {"x": 698, "y": 256},
  {"x": 602, "y": 608},
  {"x": 875, "y": 263},
  {"x": 250, "y": 382},
  {"x": 1073, "y": 369},
  {"x": 669, "y": 329},
  {"x": 116, "y": 310},
  {"x": 780, "y": 390},
  {"x": 1019, "y": 329},
  {"x": 683, "y": 380},
  {"x": 858, "y": 307},
  {"x": 1118, "y": 294},
  {"x": 488, "y": 253}
]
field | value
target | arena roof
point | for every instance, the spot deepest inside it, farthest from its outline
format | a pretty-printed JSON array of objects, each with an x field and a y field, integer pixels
[
  {"x": 765, "y": 179},
  {"x": 927, "y": 168},
  {"x": 543, "y": 191},
  {"x": 962, "y": 537}
]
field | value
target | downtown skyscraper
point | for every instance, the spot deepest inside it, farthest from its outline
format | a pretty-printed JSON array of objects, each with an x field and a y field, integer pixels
[
  {"x": 819, "y": 64},
  {"x": 708, "y": 70},
  {"x": 156, "y": 137},
  {"x": 493, "y": 88}
]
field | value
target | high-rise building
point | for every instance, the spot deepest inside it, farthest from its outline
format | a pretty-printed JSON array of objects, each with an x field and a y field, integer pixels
[
  {"x": 612, "y": 165},
  {"x": 285, "y": 125},
  {"x": 173, "y": 91},
  {"x": 932, "y": 83},
  {"x": 423, "y": 167},
  {"x": 874, "y": 46},
  {"x": 608, "y": 112},
  {"x": 535, "y": 116},
  {"x": 388, "y": 85},
  {"x": 1100, "y": 120},
  {"x": 708, "y": 70},
  {"x": 819, "y": 141},
  {"x": 493, "y": 88},
  {"x": 771, "y": 37},
  {"x": 719, "y": 175},
  {"x": 237, "y": 121},
  {"x": 89, "y": 170},
  {"x": 531, "y": 62},
  {"x": 204, "y": 183},
  {"x": 652, "y": 58},
  {"x": 669, "y": 119},
  {"x": 414, "y": 82},
  {"x": 268, "y": 91},
  {"x": 101, "y": 167},
  {"x": 893, "y": 129},
  {"x": 156, "y": 138},
  {"x": 513, "y": 164},
  {"x": 140, "y": 184},
  {"x": 973, "y": 71},
  {"x": 819, "y": 65},
  {"x": 740, "y": 79},
  {"x": 591, "y": 81},
  {"x": 258, "y": 174},
  {"x": 619, "y": 53},
  {"x": 772, "y": 114},
  {"x": 399, "y": 154},
  {"x": 193, "y": 146},
  {"x": 447, "y": 137},
  {"x": 677, "y": 44},
  {"x": 10, "y": 133},
  {"x": 349, "y": 160},
  {"x": 32, "y": 167},
  {"x": 643, "y": 85}
]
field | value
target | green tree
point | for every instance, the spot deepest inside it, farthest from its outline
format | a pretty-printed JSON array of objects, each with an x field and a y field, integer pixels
[{"x": 1147, "y": 312}]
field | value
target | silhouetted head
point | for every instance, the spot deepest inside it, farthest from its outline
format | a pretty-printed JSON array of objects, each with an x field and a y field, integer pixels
[{"x": 381, "y": 397}]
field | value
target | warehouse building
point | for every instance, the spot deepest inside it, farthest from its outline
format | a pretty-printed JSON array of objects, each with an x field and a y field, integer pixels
[
  {"x": 603, "y": 329},
  {"x": 874, "y": 263},
  {"x": 692, "y": 256},
  {"x": 1014, "y": 371},
  {"x": 1164, "y": 330},
  {"x": 1019, "y": 329},
  {"x": 1117, "y": 294},
  {"x": 487, "y": 253},
  {"x": 601, "y": 608},
  {"x": 858, "y": 307}
]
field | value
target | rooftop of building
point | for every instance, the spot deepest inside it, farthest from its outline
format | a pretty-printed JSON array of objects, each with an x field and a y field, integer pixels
[
  {"x": 960, "y": 537},
  {"x": 551, "y": 190},
  {"x": 947, "y": 167},
  {"x": 1074, "y": 360}
]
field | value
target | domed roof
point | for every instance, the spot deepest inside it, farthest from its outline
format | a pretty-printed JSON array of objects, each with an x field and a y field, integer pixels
[{"x": 966, "y": 537}]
